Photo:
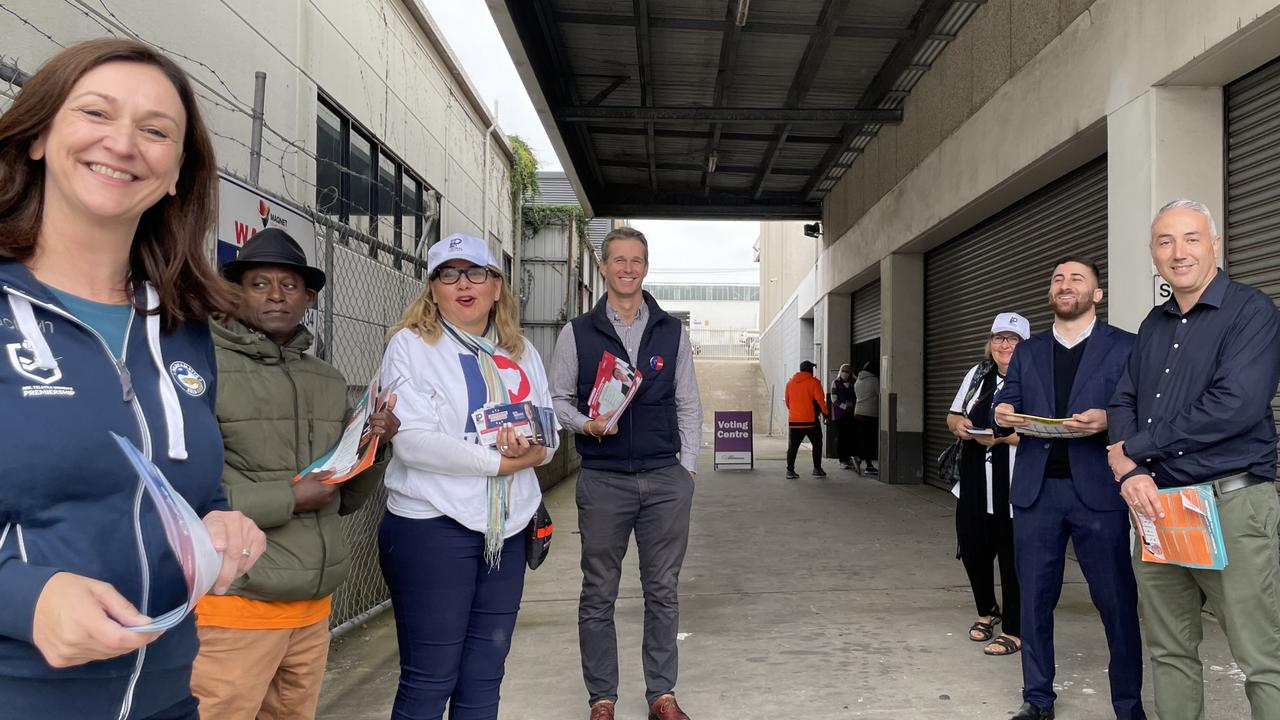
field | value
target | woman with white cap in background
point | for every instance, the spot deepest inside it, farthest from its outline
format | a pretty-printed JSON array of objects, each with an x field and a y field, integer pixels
[
  {"x": 451, "y": 544},
  {"x": 984, "y": 521}
]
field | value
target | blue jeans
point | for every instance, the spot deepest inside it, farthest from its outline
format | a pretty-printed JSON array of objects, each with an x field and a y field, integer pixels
[{"x": 454, "y": 617}]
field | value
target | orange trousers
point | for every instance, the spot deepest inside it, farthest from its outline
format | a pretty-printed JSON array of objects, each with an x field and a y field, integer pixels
[{"x": 260, "y": 674}]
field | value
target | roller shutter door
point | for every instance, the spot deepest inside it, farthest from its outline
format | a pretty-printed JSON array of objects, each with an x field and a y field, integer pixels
[
  {"x": 1253, "y": 183},
  {"x": 1002, "y": 265},
  {"x": 866, "y": 313}
]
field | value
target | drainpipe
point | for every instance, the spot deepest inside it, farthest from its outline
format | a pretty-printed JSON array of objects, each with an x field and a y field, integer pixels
[{"x": 484, "y": 213}]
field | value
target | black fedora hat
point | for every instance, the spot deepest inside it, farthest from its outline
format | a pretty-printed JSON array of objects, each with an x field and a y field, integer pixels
[{"x": 274, "y": 246}]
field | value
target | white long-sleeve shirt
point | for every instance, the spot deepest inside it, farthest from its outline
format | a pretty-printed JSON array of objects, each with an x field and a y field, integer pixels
[{"x": 437, "y": 467}]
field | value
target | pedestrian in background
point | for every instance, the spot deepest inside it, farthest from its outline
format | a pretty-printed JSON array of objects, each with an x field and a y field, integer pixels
[
  {"x": 806, "y": 403},
  {"x": 866, "y": 420},
  {"x": 842, "y": 422},
  {"x": 984, "y": 518},
  {"x": 452, "y": 543}
]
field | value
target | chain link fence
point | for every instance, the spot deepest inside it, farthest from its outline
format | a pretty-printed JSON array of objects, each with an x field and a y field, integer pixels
[{"x": 369, "y": 285}]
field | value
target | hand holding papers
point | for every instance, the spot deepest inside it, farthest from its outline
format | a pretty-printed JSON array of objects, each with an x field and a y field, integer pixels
[
  {"x": 616, "y": 384},
  {"x": 185, "y": 532},
  {"x": 538, "y": 424},
  {"x": 1189, "y": 534},
  {"x": 357, "y": 447},
  {"x": 1048, "y": 427}
]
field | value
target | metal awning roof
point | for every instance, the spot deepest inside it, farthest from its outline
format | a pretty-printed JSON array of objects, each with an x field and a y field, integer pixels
[{"x": 719, "y": 108}]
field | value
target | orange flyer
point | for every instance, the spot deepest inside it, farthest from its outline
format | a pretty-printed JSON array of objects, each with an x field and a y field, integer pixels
[{"x": 1189, "y": 534}]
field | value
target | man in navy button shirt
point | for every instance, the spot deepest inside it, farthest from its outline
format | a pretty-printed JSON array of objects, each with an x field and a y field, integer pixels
[
  {"x": 1063, "y": 489},
  {"x": 1194, "y": 407}
]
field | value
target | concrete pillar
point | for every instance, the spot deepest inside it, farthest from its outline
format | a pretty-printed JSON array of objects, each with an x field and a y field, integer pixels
[
  {"x": 902, "y": 368},
  {"x": 836, "y": 337},
  {"x": 1163, "y": 145}
]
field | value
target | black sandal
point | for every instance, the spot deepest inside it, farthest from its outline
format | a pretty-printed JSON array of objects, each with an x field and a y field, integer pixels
[
  {"x": 988, "y": 630},
  {"x": 1006, "y": 644}
]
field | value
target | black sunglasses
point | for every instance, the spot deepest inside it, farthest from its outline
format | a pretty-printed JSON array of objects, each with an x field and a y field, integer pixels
[{"x": 476, "y": 275}]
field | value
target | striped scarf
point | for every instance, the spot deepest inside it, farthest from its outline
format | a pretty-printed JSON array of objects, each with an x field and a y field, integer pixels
[{"x": 484, "y": 347}]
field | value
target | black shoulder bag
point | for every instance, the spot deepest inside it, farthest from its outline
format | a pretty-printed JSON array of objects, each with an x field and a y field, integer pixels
[
  {"x": 949, "y": 460},
  {"x": 538, "y": 537}
]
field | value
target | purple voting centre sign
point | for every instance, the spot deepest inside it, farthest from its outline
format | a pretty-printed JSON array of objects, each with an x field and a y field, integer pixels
[{"x": 732, "y": 443}]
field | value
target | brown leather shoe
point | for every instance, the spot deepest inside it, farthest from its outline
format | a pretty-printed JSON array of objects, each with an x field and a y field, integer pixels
[
  {"x": 602, "y": 710},
  {"x": 665, "y": 708}
]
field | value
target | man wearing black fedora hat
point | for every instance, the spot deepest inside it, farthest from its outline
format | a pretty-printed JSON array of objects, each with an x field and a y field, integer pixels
[{"x": 263, "y": 646}]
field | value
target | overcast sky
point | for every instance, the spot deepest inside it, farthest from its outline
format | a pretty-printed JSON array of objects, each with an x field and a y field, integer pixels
[{"x": 690, "y": 251}]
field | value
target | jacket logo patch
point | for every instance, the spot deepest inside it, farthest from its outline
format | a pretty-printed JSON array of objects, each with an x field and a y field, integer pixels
[
  {"x": 188, "y": 379},
  {"x": 24, "y": 363}
]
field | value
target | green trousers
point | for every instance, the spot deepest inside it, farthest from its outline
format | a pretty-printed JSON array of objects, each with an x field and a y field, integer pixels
[{"x": 1245, "y": 596}]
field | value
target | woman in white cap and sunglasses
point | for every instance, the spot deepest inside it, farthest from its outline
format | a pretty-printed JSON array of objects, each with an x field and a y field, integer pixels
[
  {"x": 451, "y": 544},
  {"x": 984, "y": 521}
]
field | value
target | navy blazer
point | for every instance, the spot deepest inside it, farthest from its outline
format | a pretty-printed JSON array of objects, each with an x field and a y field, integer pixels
[{"x": 1029, "y": 388}]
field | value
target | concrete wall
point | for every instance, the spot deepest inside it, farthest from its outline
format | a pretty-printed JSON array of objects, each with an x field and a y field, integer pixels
[
  {"x": 785, "y": 256},
  {"x": 383, "y": 61},
  {"x": 1000, "y": 38},
  {"x": 1031, "y": 90},
  {"x": 780, "y": 354}
]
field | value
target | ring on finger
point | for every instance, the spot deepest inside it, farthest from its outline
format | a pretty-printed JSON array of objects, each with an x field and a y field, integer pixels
[{"x": 245, "y": 552}]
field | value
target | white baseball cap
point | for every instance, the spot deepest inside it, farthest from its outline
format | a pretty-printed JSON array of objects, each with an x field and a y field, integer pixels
[
  {"x": 460, "y": 247},
  {"x": 1011, "y": 322}
]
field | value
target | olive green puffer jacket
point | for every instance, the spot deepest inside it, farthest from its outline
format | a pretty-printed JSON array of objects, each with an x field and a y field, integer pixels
[{"x": 279, "y": 409}]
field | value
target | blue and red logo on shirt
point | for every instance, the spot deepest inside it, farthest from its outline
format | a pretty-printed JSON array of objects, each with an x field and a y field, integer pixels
[{"x": 655, "y": 362}]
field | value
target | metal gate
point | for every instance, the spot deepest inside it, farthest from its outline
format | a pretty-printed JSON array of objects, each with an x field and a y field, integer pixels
[
  {"x": 1003, "y": 265},
  {"x": 1253, "y": 183}
]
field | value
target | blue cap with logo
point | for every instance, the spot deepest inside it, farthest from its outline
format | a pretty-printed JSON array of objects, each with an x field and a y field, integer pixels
[{"x": 460, "y": 247}]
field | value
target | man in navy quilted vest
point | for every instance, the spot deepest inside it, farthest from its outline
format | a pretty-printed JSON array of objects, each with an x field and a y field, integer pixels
[{"x": 636, "y": 477}]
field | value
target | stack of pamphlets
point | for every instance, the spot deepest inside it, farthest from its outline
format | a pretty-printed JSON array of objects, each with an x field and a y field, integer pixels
[
  {"x": 538, "y": 424},
  {"x": 1048, "y": 428},
  {"x": 616, "y": 384},
  {"x": 357, "y": 447},
  {"x": 186, "y": 533},
  {"x": 1189, "y": 534}
]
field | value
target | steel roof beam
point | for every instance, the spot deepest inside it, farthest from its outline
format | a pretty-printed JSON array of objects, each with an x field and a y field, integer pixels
[
  {"x": 729, "y": 42},
  {"x": 810, "y": 64},
  {"x": 615, "y": 113},
  {"x": 640, "y": 8},
  {"x": 703, "y": 135},
  {"x": 874, "y": 32},
  {"x": 921, "y": 29},
  {"x": 695, "y": 167}
]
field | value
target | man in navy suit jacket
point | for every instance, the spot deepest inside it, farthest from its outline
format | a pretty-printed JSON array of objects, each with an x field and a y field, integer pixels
[{"x": 1063, "y": 488}]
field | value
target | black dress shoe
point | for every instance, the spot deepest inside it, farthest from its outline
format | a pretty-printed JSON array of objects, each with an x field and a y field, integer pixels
[{"x": 1031, "y": 711}]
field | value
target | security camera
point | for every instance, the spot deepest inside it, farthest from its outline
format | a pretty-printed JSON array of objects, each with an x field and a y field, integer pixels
[{"x": 813, "y": 230}]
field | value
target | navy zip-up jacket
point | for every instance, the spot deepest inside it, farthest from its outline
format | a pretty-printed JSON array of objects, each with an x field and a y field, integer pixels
[{"x": 67, "y": 492}]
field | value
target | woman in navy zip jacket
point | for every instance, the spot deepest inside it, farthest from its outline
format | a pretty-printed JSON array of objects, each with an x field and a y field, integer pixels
[{"x": 107, "y": 187}]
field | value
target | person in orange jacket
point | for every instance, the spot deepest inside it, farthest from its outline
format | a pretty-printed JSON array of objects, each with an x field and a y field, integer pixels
[{"x": 805, "y": 402}]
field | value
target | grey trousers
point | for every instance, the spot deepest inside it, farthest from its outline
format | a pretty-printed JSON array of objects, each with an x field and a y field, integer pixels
[{"x": 611, "y": 505}]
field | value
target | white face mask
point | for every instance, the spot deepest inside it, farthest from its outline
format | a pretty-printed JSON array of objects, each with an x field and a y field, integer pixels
[{"x": 844, "y": 376}]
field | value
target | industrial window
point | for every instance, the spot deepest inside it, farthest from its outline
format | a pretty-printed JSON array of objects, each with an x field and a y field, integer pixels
[{"x": 362, "y": 183}]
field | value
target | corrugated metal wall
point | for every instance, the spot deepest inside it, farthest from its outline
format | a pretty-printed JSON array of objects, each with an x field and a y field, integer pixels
[
  {"x": 1003, "y": 265},
  {"x": 1253, "y": 183}
]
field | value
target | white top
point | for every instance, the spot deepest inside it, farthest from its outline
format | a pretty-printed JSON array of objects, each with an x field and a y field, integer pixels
[
  {"x": 958, "y": 406},
  {"x": 1083, "y": 336},
  {"x": 866, "y": 395},
  {"x": 437, "y": 468}
]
